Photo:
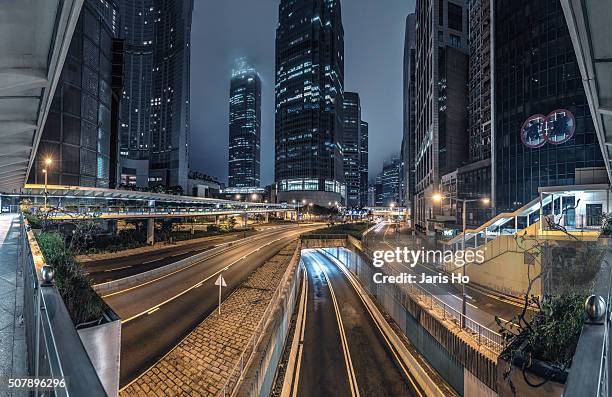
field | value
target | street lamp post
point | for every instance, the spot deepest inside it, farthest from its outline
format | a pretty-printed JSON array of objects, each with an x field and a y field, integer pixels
[
  {"x": 48, "y": 162},
  {"x": 485, "y": 200}
]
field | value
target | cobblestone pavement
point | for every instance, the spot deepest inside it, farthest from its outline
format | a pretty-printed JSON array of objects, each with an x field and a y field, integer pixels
[
  {"x": 12, "y": 328},
  {"x": 200, "y": 364}
]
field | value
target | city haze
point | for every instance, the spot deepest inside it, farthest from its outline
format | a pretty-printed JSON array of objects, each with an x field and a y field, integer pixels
[{"x": 224, "y": 31}]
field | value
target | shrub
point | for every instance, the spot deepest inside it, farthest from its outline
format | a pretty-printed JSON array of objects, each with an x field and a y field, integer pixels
[
  {"x": 82, "y": 302},
  {"x": 34, "y": 220}
]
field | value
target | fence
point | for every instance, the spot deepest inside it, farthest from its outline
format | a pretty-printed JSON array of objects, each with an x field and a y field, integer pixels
[
  {"x": 441, "y": 347},
  {"x": 278, "y": 316},
  {"x": 54, "y": 348},
  {"x": 481, "y": 334}
]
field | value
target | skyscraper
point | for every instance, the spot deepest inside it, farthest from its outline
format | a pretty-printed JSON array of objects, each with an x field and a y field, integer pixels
[
  {"x": 309, "y": 96},
  {"x": 81, "y": 132},
  {"x": 441, "y": 72},
  {"x": 536, "y": 77},
  {"x": 390, "y": 180},
  {"x": 351, "y": 108},
  {"x": 363, "y": 164},
  {"x": 169, "y": 147},
  {"x": 156, "y": 117},
  {"x": 138, "y": 32},
  {"x": 408, "y": 136},
  {"x": 244, "y": 126}
]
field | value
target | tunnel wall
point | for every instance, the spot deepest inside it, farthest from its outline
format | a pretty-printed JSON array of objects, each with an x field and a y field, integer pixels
[{"x": 465, "y": 366}]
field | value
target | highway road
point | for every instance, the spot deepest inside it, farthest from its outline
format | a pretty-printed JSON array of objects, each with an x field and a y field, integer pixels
[
  {"x": 104, "y": 270},
  {"x": 481, "y": 306},
  {"x": 157, "y": 315},
  {"x": 343, "y": 352}
]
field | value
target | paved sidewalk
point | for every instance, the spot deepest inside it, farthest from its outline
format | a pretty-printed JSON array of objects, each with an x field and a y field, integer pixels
[
  {"x": 12, "y": 327},
  {"x": 200, "y": 364}
]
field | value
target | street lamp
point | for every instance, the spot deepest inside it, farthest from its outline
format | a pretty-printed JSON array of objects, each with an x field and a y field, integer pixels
[
  {"x": 437, "y": 197},
  {"x": 48, "y": 162}
]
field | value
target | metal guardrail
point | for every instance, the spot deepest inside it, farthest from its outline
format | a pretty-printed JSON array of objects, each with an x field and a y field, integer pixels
[
  {"x": 479, "y": 333},
  {"x": 54, "y": 348},
  {"x": 339, "y": 236},
  {"x": 237, "y": 372},
  {"x": 178, "y": 212},
  {"x": 590, "y": 371}
]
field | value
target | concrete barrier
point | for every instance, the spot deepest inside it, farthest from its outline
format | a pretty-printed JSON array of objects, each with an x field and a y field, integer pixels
[{"x": 110, "y": 287}]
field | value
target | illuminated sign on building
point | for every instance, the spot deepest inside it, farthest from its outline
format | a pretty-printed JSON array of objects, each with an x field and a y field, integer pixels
[{"x": 556, "y": 128}]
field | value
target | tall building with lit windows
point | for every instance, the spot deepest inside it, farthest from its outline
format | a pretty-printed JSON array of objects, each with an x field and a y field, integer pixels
[
  {"x": 244, "y": 126},
  {"x": 155, "y": 102},
  {"x": 309, "y": 95},
  {"x": 408, "y": 134},
  {"x": 536, "y": 76},
  {"x": 363, "y": 164},
  {"x": 441, "y": 75},
  {"x": 351, "y": 110},
  {"x": 137, "y": 30}
]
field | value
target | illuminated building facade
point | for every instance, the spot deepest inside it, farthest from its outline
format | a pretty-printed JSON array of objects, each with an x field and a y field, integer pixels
[
  {"x": 351, "y": 109},
  {"x": 309, "y": 95},
  {"x": 244, "y": 126},
  {"x": 536, "y": 73},
  {"x": 441, "y": 75}
]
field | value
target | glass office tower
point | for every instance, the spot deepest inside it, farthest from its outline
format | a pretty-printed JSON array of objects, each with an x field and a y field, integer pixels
[
  {"x": 309, "y": 96},
  {"x": 244, "y": 126},
  {"x": 544, "y": 134},
  {"x": 351, "y": 109}
]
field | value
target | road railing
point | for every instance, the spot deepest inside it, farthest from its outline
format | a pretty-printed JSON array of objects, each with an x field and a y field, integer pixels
[
  {"x": 55, "y": 353},
  {"x": 278, "y": 299},
  {"x": 477, "y": 332}
]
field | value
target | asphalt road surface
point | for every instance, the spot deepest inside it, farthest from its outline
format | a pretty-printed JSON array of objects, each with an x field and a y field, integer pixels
[
  {"x": 104, "y": 270},
  {"x": 344, "y": 353},
  {"x": 158, "y": 315}
]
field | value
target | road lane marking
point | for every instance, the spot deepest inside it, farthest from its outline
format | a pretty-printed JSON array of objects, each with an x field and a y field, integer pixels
[
  {"x": 117, "y": 268},
  {"x": 345, "y": 348},
  {"x": 153, "y": 311},
  {"x": 175, "y": 345},
  {"x": 406, "y": 371},
  {"x": 212, "y": 255},
  {"x": 298, "y": 343},
  {"x": 201, "y": 281}
]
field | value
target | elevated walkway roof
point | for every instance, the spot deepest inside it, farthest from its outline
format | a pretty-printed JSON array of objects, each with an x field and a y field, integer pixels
[{"x": 34, "y": 39}]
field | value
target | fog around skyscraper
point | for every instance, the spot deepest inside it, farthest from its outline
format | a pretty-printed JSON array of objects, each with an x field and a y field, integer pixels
[{"x": 252, "y": 34}]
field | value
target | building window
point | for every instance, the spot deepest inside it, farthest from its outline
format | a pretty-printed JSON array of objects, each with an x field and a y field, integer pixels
[
  {"x": 455, "y": 40},
  {"x": 593, "y": 214},
  {"x": 455, "y": 17}
]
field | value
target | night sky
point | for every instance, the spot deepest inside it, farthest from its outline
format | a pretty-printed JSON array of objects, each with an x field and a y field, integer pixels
[{"x": 227, "y": 29}]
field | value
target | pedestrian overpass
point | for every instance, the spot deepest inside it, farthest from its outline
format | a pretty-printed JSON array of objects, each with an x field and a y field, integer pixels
[
  {"x": 557, "y": 210},
  {"x": 72, "y": 202}
]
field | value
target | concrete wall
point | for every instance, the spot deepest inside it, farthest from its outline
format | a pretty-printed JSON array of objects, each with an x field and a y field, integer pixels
[{"x": 507, "y": 266}]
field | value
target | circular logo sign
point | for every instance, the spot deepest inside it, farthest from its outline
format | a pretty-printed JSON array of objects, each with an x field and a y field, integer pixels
[
  {"x": 533, "y": 131},
  {"x": 560, "y": 126},
  {"x": 556, "y": 128}
]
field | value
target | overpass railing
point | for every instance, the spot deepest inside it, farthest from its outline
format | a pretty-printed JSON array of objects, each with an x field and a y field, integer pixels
[
  {"x": 136, "y": 211},
  {"x": 55, "y": 351}
]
